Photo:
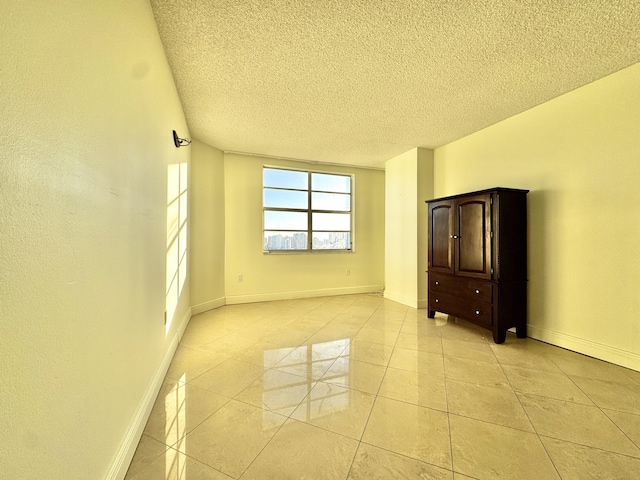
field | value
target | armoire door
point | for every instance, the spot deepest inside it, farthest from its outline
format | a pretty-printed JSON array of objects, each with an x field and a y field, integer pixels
[
  {"x": 472, "y": 247},
  {"x": 441, "y": 224}
]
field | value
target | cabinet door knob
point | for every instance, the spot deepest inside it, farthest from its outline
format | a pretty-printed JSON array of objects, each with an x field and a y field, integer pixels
[
  {"x": 477, "y": 312},
  {"x": 437, "y": 283},
  {"x": 455, "y": 236},
  {"x": 477, "y": 291},
  {"x": 437, "y": 300}
]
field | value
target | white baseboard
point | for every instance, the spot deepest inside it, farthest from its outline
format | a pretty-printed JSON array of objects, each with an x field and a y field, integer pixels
[
  {"x": 587, "y": 347},
  {"x": 327, "y": 292},
  {"x": 400, "y": 298},
  {"x": 128, "y": 447},
  {"x": 210, "y": 305}
]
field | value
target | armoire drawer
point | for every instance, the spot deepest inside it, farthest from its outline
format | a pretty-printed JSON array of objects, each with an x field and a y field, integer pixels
[
  {"x": 442, "y": 302},
  {"x": 461, "y": 287},
  {"x": 477, "y": 312},
  {"x": 467, "y": 309}
]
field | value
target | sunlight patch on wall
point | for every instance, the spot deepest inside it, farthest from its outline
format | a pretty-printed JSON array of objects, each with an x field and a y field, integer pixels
[{"x": 176, "y": 266}]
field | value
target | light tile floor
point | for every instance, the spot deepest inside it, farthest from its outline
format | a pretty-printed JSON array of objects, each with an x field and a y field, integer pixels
[{"x": 359, "y": 387}]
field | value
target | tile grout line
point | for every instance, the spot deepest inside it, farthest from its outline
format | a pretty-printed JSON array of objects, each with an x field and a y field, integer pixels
[
  {"x": 288, "y": 417},
  {"x": 538, "y": 436},
  {"x": 250, "y": 320},
  {"x": 601, "y": 411},
  {"x": 375, "y": 400}
]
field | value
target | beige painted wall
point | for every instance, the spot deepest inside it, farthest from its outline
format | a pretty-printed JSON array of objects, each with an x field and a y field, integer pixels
[
  {"x": 425, "y": 192},
  {"x": 207, "y": 227},
  {"x": 87, "y": 108},
  {"x": 580, "y": 156},
  {"x": 275, "y": 276},
  {"x": 401, "y": 229},
  {"x": 408, "y": 183}
]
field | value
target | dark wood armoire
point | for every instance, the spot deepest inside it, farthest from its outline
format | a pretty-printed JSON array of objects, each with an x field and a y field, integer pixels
[{"x": 478, "y": 259}]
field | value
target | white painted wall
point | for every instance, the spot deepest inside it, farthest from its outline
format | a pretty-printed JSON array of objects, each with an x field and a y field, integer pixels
[
  {"x": 207, "y": 227},
  {"x": 275, "y": 276},
  {"x": 580, "y": 156},
  {"x": 87, "y": 108},
  {"x": 408, "y": 183}
]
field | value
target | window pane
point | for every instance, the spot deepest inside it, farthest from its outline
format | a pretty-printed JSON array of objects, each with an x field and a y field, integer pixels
[
  {"x": 285, "y": 179},
  {"x": 331, "y": 241},
  {"x": 331, "y": 221},
  {"x": 288, "y": 202},
  {"x": 285, "y": 198},
  {"x": 330, "y": 183},
  {"x": 285, "y": 220},
  {"x": 285, "y": 240},
  {"x": 331, "y": 201}
]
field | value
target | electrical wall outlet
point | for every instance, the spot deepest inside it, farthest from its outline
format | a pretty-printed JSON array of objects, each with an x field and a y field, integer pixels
[
  {"x": 240, "y": 278},
  {"x": 348, "y": 272}
]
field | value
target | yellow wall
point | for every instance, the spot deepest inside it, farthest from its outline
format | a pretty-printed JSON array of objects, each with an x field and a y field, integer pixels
[
  {"x": 87, "y": 108},
  {"x": 207, "y": 227},
  {"x": 408, "y": 183},
  {"x": 425, "y": 192},
  {"x": 580, "y": 156},
  {"x": 274, "y": 276}
]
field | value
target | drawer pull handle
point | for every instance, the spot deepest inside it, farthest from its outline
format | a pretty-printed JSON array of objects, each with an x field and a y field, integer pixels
[
  {"x": 477, "y": 312},
  {"x": 477, "y": 291},
  {"x": 455, "y": 236}
]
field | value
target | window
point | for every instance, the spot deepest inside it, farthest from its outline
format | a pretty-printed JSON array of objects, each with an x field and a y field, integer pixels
[{"x": 305, "y": 210}]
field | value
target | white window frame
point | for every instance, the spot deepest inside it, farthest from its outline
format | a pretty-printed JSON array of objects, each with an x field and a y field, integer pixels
[{"x": 309, "y": 211}]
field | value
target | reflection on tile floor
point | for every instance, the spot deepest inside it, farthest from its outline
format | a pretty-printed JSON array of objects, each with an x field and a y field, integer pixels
[{"x": 359, "y": 387}]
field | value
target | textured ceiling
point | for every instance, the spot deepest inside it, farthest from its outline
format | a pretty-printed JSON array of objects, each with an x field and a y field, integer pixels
[{"x": 358, "y": 82}]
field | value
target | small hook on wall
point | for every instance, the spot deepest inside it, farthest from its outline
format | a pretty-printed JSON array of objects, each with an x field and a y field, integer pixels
[{"x": 180, "y": 142}]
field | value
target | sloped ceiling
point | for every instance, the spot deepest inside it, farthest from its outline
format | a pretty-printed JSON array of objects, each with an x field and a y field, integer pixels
[{"x": 358, "y": 82}]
